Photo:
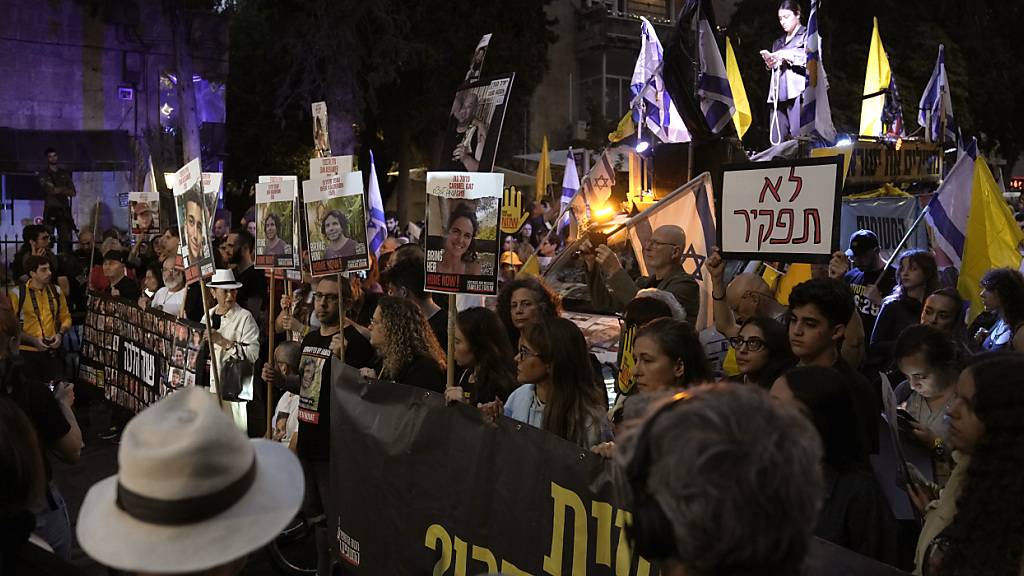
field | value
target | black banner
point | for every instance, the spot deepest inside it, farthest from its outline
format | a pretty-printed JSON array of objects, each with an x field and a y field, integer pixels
[
  {"x": 137, "y": 355},
  {"x": 423, "y": 488}
]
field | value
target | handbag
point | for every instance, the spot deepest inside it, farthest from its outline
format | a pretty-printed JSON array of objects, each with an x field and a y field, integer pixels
[{"x": 235, "y": 371}]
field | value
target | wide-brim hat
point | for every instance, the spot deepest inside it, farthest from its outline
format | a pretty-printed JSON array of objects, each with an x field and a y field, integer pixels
[
  {"x": 192, "y": 492},
  {"x": 511, "y": 258},
  {"x": 224, "y": 278}
]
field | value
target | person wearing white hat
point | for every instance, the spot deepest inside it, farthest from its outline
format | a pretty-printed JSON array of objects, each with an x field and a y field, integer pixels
[
  {"x": 192, "y": 495},
  {"x": 234, "y": 334}
]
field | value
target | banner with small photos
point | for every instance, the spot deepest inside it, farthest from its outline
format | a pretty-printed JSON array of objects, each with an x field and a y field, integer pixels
[{"x": 137, "y": 355}]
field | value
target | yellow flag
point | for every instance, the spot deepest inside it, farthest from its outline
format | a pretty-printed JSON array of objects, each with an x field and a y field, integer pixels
[
  {"x": 876, "y": 79},
  {"x": 543, "y": 172},
  {"x": 530, "y": 268},
  {"x": 795, "y": 274},
  {"x": 992, "y": 236},
  {"x": 741, "y": 118},
  {"x": 625, "y": 129}
]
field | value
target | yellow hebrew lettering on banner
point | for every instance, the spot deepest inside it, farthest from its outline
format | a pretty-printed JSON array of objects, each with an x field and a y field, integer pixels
[
  {"x": 436, "y": 533},
  {"x": 564, "y": 498}
]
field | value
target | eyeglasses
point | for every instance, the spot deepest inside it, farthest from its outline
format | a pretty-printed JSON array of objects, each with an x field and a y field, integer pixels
[
  {"x": 752, "y": 344},
  {"x": 655, "y": 243},
  {"x": 525, "y": 352},
  {"x": 327, "y": 297}
]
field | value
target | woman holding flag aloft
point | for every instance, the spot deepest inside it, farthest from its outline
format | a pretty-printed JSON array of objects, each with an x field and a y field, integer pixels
[{"x": 787, "y": 61}]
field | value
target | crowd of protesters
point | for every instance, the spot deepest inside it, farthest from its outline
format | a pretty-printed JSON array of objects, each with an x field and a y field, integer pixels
[{"x": 808, "y": 373}]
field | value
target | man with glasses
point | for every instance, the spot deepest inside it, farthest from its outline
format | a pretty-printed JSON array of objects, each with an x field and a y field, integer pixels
[
  {"x": 612, "y": 288},
  {"x": 748, "y": 295},
  {"x": 171, "y": 295},
  {"x": 314, "y": 441}
]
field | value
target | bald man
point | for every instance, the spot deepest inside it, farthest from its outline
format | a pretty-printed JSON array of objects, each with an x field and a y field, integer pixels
[
  {"x": 748, "y": 295},
  {"x": 611, "y": 288}
]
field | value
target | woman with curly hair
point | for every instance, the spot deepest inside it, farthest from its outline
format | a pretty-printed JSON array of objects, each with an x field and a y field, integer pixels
[
  {"x": 485, "y": 355},
  {"x": 526, "y": 301},
  {"x": 459, "y": 253},
  {"x": 275, "y": 245},
  {"x": 334, "y": 228},
  {"x": 557, "y": 392},
  {"x": 977, "y": 524},
  {"x": 407, "y": 350},
  {"x": 1002, "y": 293}
]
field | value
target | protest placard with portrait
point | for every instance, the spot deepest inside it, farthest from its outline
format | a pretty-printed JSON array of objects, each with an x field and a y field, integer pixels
[
  {"x": 276, "y": 224},
  {"x": 336, "y": 224},
  {"x": 474, "y": 125},
  {"x": 193, "y": 222},
  {"x": 462, "y": 231},
  {"x": 145, "y": 212}
]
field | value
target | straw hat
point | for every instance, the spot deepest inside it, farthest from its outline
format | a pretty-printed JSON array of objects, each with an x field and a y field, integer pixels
[
  {"x": 224, "y": 278},
  {"x": 192, "y": 492}
]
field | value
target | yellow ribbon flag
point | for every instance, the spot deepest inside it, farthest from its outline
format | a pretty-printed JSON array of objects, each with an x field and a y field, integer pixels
[
  {"x": 625, "y": 129},
  {"x": 530, "y": 268},
  {"x": 543, "y": 172},
  {"x": 876, "y": 79},
  {"x": 992, "y": 236},
  {"x": 741, "y": 118}
]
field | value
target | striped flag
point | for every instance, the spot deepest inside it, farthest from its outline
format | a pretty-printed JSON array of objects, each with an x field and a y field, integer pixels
[
  {"x": 648, "y": 86},
  {"x": 570, "y": 187},
  {"x": 376, "y": 230},
  {"x": 951, "y": 204},
  {"x": 815, "y": 112},
  {"x": 935, "y": 99},
  {"x": 599, "y": 182},
  {"x": 713, "y": 88}
]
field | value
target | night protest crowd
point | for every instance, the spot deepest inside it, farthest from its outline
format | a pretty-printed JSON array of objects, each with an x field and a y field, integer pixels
[{"x": 960, "y": 390}]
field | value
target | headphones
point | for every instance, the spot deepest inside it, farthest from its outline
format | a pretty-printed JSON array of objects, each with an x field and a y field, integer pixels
[{"x": 650, "y": 531}]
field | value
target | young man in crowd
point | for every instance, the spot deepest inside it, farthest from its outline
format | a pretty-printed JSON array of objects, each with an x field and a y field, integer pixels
[
  {"x": 405, "y": 279},
  {"x": 59, "y": 189},
  {"x": 612, "y": 288},
  {"x": 868, "y": 270},
  {"x": 192, "y": 495},
  {"x": 43, "y": 312},
  {"x": 313, "y": 385},
  {"x": 819, "y": 312},
  {"x": 764, "y": 522},
  {"x": 119, "y": 284}
]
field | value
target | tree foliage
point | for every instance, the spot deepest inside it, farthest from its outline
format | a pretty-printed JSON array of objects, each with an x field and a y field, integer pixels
[{"x": 984, "y": 60}]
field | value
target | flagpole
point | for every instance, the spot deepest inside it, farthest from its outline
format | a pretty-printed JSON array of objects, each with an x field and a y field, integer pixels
[
  {"x": 942, "y": 129},
  {"x": 270, "y": 338}
]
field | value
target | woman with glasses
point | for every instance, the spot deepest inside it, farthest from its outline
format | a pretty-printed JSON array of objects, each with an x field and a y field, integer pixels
[
  {"x": 557, "y": 392},
  {"x": 485, "y": 355},
  {"x": 668, "y": 356},
  {"x": 762, "y": 351},
  {"x": 407, "y": 350}
]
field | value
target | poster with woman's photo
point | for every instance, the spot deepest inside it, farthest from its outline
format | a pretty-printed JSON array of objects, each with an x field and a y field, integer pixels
[
  {"x": 276, "y": 229},
  {"x": 321, "y": 136},
  {"x": 474, "y": 125},
  {"x": 193, "y": 222},
  {"x": 336, "y": 224},
  {"x": 145, "y": 211},
  {"x": 462, "y": 231}
]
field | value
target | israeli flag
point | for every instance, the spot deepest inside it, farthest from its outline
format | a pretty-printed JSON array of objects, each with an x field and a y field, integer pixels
[{"x": 648, "y": 86}]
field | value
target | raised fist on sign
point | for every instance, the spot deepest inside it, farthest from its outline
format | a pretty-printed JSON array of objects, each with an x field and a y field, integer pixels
[{"x": 512, "y": 214}]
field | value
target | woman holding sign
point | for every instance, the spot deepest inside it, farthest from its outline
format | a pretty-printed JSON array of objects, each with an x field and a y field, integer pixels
[
  {"x": 275, "y": 246},
  {"x": 459, "y": 256},
  {"x": 334, "y": 227}
]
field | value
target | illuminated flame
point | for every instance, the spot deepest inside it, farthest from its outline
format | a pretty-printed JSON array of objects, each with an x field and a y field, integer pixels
[{"x": 604, "y": 213}]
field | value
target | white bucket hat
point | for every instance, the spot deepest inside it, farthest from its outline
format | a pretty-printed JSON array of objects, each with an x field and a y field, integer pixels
[
  {"x": 224, "y": 278},
  {"x": 191, "y": 493}
]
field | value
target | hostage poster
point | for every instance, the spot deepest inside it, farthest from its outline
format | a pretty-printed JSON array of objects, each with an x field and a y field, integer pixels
[
  {"x": 462, "y": 225},
  {"x": 320, "y": 168},
  {"x": 321, "y": 137},
  {"x": 474, "y": 125},
  {"x": 193, "y": 221},
  {"x": 276, "y": 229},
  {"x": 145, "y": 210},
  {"x": 336, "y": 224}
]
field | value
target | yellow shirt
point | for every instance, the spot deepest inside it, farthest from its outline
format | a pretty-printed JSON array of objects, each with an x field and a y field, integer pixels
[{"x": 42, "y": 323}]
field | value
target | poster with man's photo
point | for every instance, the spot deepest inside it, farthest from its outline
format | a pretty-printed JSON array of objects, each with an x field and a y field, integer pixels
[
  {"x": 321, "y": 137},
  {"x": 145, "y": 211},
  {"x": 276, "y": 230},
  {"x": 462, "y": 231},
  {"x": 474, "y": 125},
  {"x": 476, "y": 65},
  {"x": 336, "y": 224},
  {"x": 193, "y": 222}
]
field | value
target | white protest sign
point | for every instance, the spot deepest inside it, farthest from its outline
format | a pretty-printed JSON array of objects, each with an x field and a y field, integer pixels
[
  {"x": 276, "y": 223},
  {"x": 788, "y": 211},
  {"x": 336, "y": 224},
  {"x": 320, "y": 168}
]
